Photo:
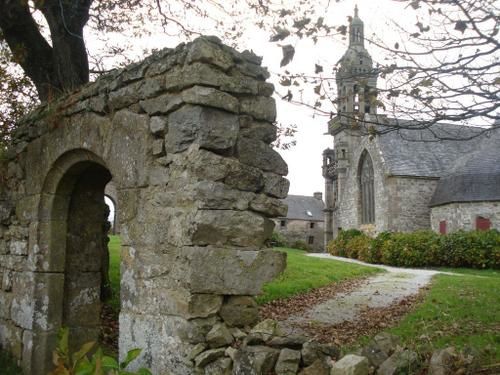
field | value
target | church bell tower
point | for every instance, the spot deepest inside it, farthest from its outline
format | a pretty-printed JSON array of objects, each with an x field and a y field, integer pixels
[{"x": 356, "y": 81}]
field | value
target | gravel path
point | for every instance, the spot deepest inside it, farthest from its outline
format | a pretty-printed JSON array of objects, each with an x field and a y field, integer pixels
[{"x": 377, "y": 291}]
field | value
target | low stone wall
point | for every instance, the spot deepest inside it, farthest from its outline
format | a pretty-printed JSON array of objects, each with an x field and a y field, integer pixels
[
  {"x": 185, "y": 137},
  {"x": 462, "y": 216}
]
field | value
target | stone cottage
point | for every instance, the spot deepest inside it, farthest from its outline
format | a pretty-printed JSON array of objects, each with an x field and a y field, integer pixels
[
  {"x": 304, "y": 220},
  {"x": 390, "y": 181}
]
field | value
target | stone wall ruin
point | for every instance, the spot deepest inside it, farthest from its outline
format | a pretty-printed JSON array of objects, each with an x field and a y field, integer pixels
[{"x": 185, "y": 137}]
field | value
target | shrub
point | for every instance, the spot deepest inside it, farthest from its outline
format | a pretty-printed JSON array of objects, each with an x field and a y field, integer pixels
[
  {"x": 375, "y": 253},
  {"x": 301, "y": 245},
  {"x": 277, "y": 240},
  {"x": 416, "y": 249},
  {"x": 358, "y": 247},
  {"x": 476, "y": 249},
  {"x": 338, "y": 245}
]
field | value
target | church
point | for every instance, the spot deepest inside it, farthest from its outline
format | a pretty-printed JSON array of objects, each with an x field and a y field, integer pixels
[{"x": 407, "y": 179}]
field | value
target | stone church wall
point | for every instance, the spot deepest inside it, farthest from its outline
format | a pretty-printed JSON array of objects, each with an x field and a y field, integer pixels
[
  {"x": 408, "y": 203},
  {"x": 185, "y": 136},
  {"x": 463, "y": 215},
  {"x": 348, "y": 213}
]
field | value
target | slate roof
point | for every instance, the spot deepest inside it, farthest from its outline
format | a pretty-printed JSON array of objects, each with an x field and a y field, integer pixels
[
  {"x": 420, "y": 153},
  {"x": 474, "y": 177},
  {"x": 300, "y": 206}
]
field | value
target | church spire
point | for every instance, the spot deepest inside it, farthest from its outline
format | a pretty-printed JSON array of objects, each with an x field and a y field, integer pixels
[{"x": 356, "y": 30}]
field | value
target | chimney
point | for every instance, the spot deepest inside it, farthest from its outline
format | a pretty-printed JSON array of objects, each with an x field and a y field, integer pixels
[{"x": 318, "y": 195}]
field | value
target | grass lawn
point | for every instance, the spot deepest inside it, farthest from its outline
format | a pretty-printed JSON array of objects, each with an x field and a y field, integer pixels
[
  {"x": 304, "y": 273},
  {"x": 458, "y": 311},
  {"x": 7, "y": 365},
  {"x": 114, "y": 271}
]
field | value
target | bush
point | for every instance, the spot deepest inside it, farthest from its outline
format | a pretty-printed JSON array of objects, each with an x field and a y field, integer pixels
[
  {"x": 300, "y": 245},
  {"x": 277, "y": 240},
  {"x": 358, "y": 247},
  {"x": 416, "y": 249},
  {"x": 337, "y": 246},
  {"x": 476, "y": 249}
]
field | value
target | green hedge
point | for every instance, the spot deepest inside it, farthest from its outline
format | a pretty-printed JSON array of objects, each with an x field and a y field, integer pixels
[{"x": 474, "y": 249}]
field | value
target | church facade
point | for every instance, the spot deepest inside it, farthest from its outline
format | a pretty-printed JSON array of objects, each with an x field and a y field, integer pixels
[{"x": 406, "y": 179}]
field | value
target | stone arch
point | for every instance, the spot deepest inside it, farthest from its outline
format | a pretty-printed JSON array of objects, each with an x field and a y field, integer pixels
[
  {"x": 193, "y": 237},
  {"x": 366, "y": 178},
  {"x": 71, "y": 241}
]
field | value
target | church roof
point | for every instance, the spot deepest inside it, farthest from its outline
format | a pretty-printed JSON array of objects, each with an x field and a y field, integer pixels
[
  {"x": 429, "y": 152},
  {"x": 474, "y": 177},
  {"x": 302, "y": 207}
]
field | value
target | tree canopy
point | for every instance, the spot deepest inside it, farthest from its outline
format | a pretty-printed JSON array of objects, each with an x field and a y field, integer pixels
[{"x": 444, "y": 67}]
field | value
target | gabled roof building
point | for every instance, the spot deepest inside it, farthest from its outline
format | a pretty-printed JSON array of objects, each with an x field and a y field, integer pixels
[{"x": 408, "y": 179}]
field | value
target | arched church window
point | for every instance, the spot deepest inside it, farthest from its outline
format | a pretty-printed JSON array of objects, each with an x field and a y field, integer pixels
[{"x": 366, "y": 187}]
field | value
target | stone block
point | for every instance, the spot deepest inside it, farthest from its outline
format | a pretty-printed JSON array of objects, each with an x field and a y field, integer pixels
[
  {"x": 208, "y": 96},
  {"x": 209, "y": 356},
  {"x": 5, "y": 304},
  {"x": 288, "y": 362},
  {"x": 287, "y": 341},
  {"x": 221, "y": 366},
  {"x": 164, "y": 350},
  {"x": 263, "y": 332},
  {"x": 158, "y": 147},
  {"x": 240, "y": 311},
  {"x": 213, "y": 195},
  {"x": 400, "y": 362},
  {"x": 82, "y": 304},
  {"x": 219, "y": 336},
  {"x": 271, "y": 207},
  {"x": 260, "y": 155},
  {"x": 318, "y": 367},
  {"x": 205, "y": 51},
  {"x": 162, "y": 104},
  {"x": 22, "y": 308},
  {"x": 350, "y": 365},
  {"x": 158, "y": 126},
  {"x": 212, "y": 129},
  {"x": 129, "y": 147},
  {"x": 443, "y": 362},
  {"x": 237, "y": 228},
  {"x": 259, "y": 107},
  {"x": 255, "y": 360},
  {"x": 207, "y": 272},
  {"x": 260, "y": 130},
  {"x": 243, "y": 177},
  {"x": 49, "y": 293},
  {"x": 275, "y": 185},
  {"x": 124, "y": 96},
  {"x": 311, "y": 351}
]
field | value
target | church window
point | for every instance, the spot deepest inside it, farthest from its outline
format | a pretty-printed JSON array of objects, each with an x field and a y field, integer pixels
[
  {"x": 311, "y": 225},
  {"x": 283, "y": 223},
  {"x": 343, "y": 153},
  {"x": 310, "y": 240},
  {"x": 442, "y": 227},
  {"x": 367, "y": 189},
  {"x": 482, "y": 223}
]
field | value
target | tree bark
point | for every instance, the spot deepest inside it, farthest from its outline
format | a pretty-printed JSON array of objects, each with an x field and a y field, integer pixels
[{"x": 57, "y": 68}]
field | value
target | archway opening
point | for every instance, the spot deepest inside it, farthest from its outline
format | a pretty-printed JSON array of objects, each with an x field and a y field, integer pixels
[{"x": 80, "y": 228}]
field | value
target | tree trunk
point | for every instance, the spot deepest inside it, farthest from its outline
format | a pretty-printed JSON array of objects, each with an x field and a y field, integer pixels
[{"x": 53, "y": 69}]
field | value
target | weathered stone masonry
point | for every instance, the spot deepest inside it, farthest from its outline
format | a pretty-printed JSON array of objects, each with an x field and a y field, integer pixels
[{"x": 185, "y": 137}]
